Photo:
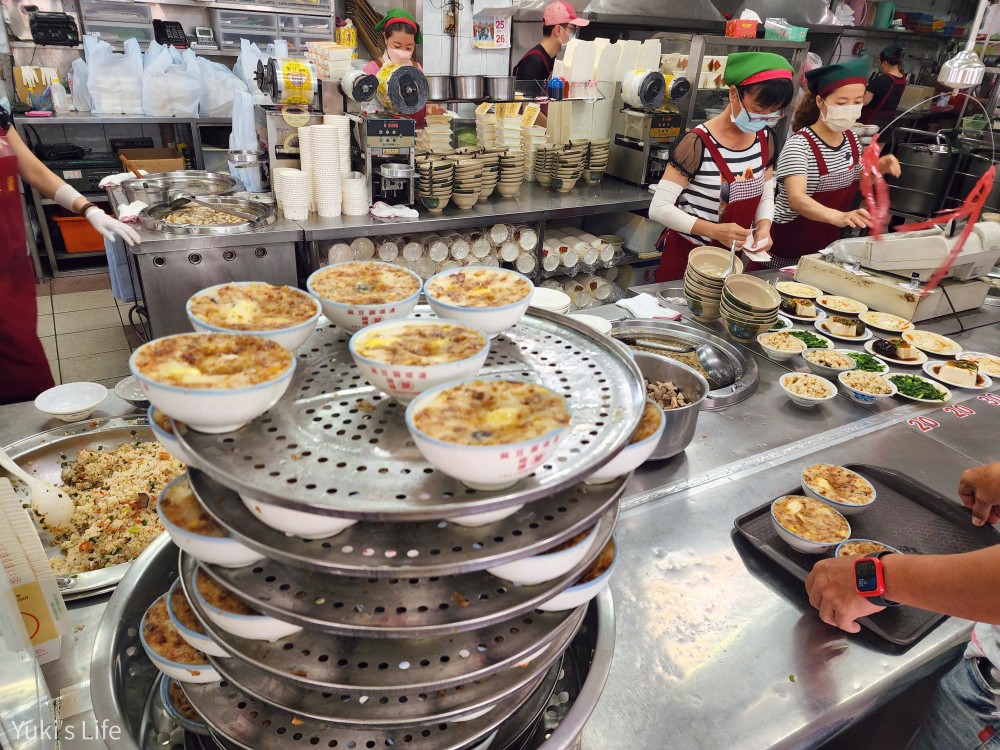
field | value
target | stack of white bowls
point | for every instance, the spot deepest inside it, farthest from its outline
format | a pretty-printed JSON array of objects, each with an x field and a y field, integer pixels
[
  {"x": 295, "y": 194},
  {"x": 326, "y": 176},
  {"x": 355, "y": 194},
  {"x": 531, "y": 139},
  {"x": 486, "y": 130}
]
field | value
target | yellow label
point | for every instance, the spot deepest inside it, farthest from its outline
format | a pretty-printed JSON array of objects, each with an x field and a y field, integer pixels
[
  {"x": 298, "y": 82},
  {"x": 483, "y": 109},
  {"x": 294, "y": 116},
  {"x": 37, "y": 618},
  {"x": 530, "y": 115}
]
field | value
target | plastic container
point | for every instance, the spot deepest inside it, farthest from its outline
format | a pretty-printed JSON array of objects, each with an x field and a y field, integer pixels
[{"x": 78, "y": 235}]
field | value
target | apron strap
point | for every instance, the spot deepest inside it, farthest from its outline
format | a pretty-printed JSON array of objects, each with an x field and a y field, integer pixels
[
  {"x": 764, "y": 153},
  {"x": 892, "y": 85},
  {"x": 713, "y": 151},
  {"x": 855, "y": 148},
  {"x": 535, "y": 53},
  {"x": 824, "y": 170}
]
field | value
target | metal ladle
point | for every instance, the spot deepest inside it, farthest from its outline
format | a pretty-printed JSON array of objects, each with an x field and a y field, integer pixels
[
  {"x": 718, "y": 368},
  {"x": 184, "y": 199}
]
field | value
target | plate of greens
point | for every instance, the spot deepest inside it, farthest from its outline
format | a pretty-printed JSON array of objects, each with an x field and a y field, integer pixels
[
  {"x": 781, "y": 324},
  {"x": 868, "y": 362},
  {"x": 919, "y": 388},
  {"x": 813, "y": 340}
]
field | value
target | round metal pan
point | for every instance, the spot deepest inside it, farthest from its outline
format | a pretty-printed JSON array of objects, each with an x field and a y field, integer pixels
[{"x": 152, "y": 218}]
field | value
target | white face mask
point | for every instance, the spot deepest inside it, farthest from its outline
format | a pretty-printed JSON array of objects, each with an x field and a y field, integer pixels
[
  {"x": 570, "y": 36},
  {"x": 840, "y": 117},
  {"x": 399, "y": 56}
]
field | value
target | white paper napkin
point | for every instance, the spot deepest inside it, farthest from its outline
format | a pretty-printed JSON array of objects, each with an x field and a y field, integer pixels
[{"x": 647, "y": 306}]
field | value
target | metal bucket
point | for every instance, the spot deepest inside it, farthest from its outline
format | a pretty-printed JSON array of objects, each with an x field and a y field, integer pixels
[
  {"x": 970, "y": 169},
  {"x": 926, "y": 168},
  {"x": 682, "y": 422}
]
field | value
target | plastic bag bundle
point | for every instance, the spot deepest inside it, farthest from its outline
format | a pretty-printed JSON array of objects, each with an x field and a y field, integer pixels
[
  {"x": 114, "y": 81},
  {"x": 171, "y": 82},
  {"x": 243, "y": 138},
  {"x": 78, "y": 84},
  {"x": 218, "y": 87},
  {"x": 246, "y": 68}
]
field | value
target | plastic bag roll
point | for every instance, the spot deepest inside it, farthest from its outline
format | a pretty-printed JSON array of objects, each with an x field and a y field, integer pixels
[
  {"x": 359, "y": 86},
  {"x": 402, "y": 88}
]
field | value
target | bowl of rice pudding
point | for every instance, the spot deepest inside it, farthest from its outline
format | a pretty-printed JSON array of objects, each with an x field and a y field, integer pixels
[
  {"x": 193, "y": 530},
  {"x": 587, "y": 586},
  {"x": 404, "y": 358},
  {"x": 488, "y": 434},
  {"x": 355, "y": 294},
  {"x": 632, "y": 456},
  {"x": 548, "y": 565},
  {"x": 235, "y": 616},
  {"x": 213, "y": 382},
  {"x": 490, "y": 299},
  {"x": 808, "y": 525},
  {"x": 301, "y": 523},
  {"x": 170, "y": 653},
  {"x": 188, "y": 624},
  {"x": 281, "y": 314}
]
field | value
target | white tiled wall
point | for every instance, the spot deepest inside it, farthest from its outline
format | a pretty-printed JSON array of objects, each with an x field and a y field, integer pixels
[{"x": 437, "y": 48}]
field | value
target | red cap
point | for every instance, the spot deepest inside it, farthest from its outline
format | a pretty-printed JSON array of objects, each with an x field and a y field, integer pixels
[{"x": 559, "y": 13}]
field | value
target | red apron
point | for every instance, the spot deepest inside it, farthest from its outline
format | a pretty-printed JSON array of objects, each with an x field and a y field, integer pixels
[
  {"x": 836, "y": 190},
  {"x": 740, "y": 208},
  {"x": 24, "y": 370},
  {"x": 870, "y": 115}
]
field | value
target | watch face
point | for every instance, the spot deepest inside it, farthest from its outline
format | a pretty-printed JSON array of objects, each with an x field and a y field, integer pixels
[{"x": 864, "y": 573}]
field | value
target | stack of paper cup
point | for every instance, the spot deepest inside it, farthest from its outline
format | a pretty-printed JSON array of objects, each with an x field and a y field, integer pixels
[
  {"x": 276, "y": 184},
  {"x": 295, "y": 194},
  {"x": 342, "y": 124},
  {"x": 387, "y": 249},
  {"x": 326, "y": 175},
  {"x": 355, "y": 194}
]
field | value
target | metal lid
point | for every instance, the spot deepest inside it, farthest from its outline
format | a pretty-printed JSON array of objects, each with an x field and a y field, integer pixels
[{"x": 194, "y": 181}]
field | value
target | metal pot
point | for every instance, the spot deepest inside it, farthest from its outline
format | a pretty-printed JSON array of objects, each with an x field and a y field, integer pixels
[
  {"x": 926, "y": 167},
  {"x": 467, "y": 87},
  {"x": 500, "y": 88},
  {"x": 970, "y": 170},
  {"x": 680, "y": 423},
  {"x": 162, "y": 187},
  {"x": 439, "y": 88}
]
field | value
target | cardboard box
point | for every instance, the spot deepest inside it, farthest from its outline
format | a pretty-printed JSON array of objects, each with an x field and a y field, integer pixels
[
  {"x": 742, "y": 29},
  {"x": 153, "y": 159}
]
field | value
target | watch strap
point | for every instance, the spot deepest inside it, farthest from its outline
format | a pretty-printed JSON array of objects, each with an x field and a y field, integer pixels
[
  {"x": 87, "y": 206},
  {"x": 881, "y": 601}
]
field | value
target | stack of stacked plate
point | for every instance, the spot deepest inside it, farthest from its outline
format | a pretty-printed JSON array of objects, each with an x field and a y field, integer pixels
[
  {"x": 486, "y": 130},
  {"x": 597, "y": 159},
  {"x": 568, "y": 167},
  {"x": 435, "y": 181},
  {"x": 512, "y": 167},
  {"x": 703, "y": 280},
  {"x": 306, "y": 158},
  {"x": 342, "y": 124},
  {"x": 355, "y": 192},
  {"x": 326, "y": 176},
  {"x": 468, "y": 181},
  {"x": 749, "y": 306},
  {"x": 491, "y": 171},
  {"x": 295, "y": 188}
]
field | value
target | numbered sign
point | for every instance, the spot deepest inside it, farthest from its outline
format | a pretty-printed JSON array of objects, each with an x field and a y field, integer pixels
[{"x": 491, "y": 33}]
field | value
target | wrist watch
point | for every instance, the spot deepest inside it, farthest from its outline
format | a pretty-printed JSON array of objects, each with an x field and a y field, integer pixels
[
  {"x": 87, "y": 206},
  {"x": 869, "y": 579}
]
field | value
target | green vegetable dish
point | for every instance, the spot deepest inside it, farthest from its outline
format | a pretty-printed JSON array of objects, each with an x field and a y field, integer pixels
[
  {"x": 812, "y": 341},
  {"x": 915, "y": 387},
  {"x": 867, "y": 363},
  {"x": 779, "y": 324}
]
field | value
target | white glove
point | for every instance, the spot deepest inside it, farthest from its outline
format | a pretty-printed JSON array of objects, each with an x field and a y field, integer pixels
[
  {"x": 109, "y": 228},
  {"x": 28, "y": 76},
  {"x": 48, "y": 74}
]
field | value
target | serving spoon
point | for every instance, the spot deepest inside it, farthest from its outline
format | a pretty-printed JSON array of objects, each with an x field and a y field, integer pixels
[
  {"x": 54, "y": 505},
  {"x": 718, "y": 368}
]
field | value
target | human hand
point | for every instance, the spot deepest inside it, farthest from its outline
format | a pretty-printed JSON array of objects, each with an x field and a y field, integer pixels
[
  {"x": 727, "y": 234},
  {"x": 979, "y": 489},
  {"x": 435, "y": 109},
  {"x": 857, "y": 219},
  {"x": 111, "y": 228},
  {"x": 762, "y": 235},
  {"x": 830, "y": 585},
  {"x": 889, "y": 165}
]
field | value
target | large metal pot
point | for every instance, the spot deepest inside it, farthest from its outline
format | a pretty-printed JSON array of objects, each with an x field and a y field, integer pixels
[
  {"x": 680, "y": 423},
  {"x": 467, "y": 87},
  {"x": 500, "y": 88},
  {"x": 970, "y": 170},
  {"x": 926, "y": 167},
  {"x": 439, "y": 88}
]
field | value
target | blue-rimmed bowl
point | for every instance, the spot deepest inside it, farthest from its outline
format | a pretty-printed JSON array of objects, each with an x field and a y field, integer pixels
[
  {"x": 198, "y": 640},
  {"x": 212, "y": 410},
  {"x": 353, "y": 317},
  {"x": 633, "y": 455},
  {"x": 197, "y": 673},
  {"x": 581, "y": 593},
  {"x": 862, "y": 397},
  {"x": 847, "y": 509},
  {"x": 840, "y": 547},
  {"x": 167, "y": 438},
  {"x": 254, "y": 627},
  {"x": 800, "y": 543},
  {"x": 490, "y": 320},
  {"x": 215, "y": 550},
  {"x": 406, "y": 382},
  {"x": 530, "y": 571},
  {"x": 187, "y": 725},
  {"x": 290, "y": 337}
]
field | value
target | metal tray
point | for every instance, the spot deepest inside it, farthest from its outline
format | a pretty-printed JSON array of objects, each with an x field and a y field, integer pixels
[
  {"x": 906, "y": 515},
  {"x": 420, "y": 548},
  {"x": 394, "y": 607},
  {"x": 42, "y": 455},
  {"x": 152, "y": 218},
  {"x": 335, "y": 445},
  {"x": 747, "y": 375}
]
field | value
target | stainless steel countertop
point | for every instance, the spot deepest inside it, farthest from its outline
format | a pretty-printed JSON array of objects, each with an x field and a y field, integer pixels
[
  {"x": 532, "y": 203},
  {"x": 155, "y": 243}
]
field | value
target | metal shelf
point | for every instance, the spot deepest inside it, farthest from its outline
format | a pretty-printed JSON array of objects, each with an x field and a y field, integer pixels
[
  {"x": 293, "y": 10},
  {"x": 90, "y": 254}
]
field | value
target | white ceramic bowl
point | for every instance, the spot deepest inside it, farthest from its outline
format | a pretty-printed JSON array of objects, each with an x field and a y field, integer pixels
[
  {"x": 213, "y": 410},
  {"x": 550, "y": 299},
  {"x": 846, "y": 509},
  {"x": 197, "y": 673},
  {"x": 778, "y": 354},
  {"x": 822, "y": 370},
  {"x": 71, "y": 402},
  {"x": 530, "y": 571},
  {"x": 356, "y": 317},
  {"x": 197, "y": 640},
  {"x": 168, "y": 440},
  {"x": 296, "y": 522},
  {"x": 581, "y": 593},
  {"x": 406, "y": 382},
  {"x": 482, "y": 519},
  {"x": 807, "y": 402},
  {"x": 865, "y": 398},
  {"x": 801, "y": 543},
  {"x": 632, "y": 456},
  {"x": 836, "y": 552},
  {"x": 168, "y": 706},
  {"x": 290, "y": 337},
  {"x": 484, "y": 467},
  {"x": 599, "y": 324},
  {"x": 491, "y": 320},
  {"x": 215, "y": 550},
  {"x": 252, "y": 627}
]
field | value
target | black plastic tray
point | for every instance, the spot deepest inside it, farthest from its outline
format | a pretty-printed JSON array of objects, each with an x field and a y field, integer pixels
[{"x": 906, "y": 515}]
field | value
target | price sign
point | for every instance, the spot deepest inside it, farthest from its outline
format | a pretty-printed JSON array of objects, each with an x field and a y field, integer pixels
[
  {"x": 491, "y": 33},
  {"x": 924, "y": 424},
  {"x": 959, "y": 410}
]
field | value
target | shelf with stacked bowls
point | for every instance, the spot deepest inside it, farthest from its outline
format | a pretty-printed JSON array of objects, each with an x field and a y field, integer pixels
[{"x": 394, "y": 584}]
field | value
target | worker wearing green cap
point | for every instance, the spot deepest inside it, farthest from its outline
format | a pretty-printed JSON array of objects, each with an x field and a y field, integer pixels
[
  {"x": 819, "y": 170},
  {"x": 717, "y": 188},
  {"x": 885, "y": 89}
]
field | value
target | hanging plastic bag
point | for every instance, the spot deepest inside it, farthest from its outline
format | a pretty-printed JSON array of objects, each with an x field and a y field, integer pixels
[
  {"x": 171, "y": 83},
  {"x": 218, "y": 86},
  {"x": 78, "y": 85},
  {"x": 244, "y": 138},
  {"x": 246, "y": 69},
  {"x": 114, "y": 80}
]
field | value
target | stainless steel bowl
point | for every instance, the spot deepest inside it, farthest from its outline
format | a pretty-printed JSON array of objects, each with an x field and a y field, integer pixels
[
  {"x": 439, "y": 88},
  {"x": 500, "y": 88},
  {"x": 680, "y": 423},
  {"x": 467, "y": 87}
]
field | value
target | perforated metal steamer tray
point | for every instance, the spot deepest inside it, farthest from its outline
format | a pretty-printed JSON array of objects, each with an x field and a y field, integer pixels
[{"x": 335, "y": 445}]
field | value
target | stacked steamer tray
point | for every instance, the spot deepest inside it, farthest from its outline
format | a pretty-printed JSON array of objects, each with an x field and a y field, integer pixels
[
  {"x": 703, "y": 281},
  {"x": 407, "y": 638},
  {"x": 749, "y": 306}
]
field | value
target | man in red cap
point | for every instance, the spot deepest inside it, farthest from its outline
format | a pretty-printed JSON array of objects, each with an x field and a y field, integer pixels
[{"x": 559, "y": 27}]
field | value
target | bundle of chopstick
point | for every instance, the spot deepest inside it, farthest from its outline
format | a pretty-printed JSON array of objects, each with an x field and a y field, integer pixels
[{"x": 365, "y": 19}]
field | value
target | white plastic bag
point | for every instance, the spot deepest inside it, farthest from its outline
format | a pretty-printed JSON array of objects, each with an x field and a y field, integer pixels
[
  {"x": 218, "y": 86},
  {"x": 78, "y": 85},
  {"x": 244, "y": 138},
  {"x": 114, "y": 80},
  {"x": 246, "y": 68},
  {"x": 171, "y": 83}
]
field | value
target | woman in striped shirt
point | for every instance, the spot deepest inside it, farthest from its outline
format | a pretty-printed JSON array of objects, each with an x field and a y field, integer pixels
[
  {"x": 718, "y": 187},
  {"x": 820, "y": 165}
]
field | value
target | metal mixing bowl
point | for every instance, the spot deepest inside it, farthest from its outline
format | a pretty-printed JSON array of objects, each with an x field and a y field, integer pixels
[{"x": 680, "y": 423}]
